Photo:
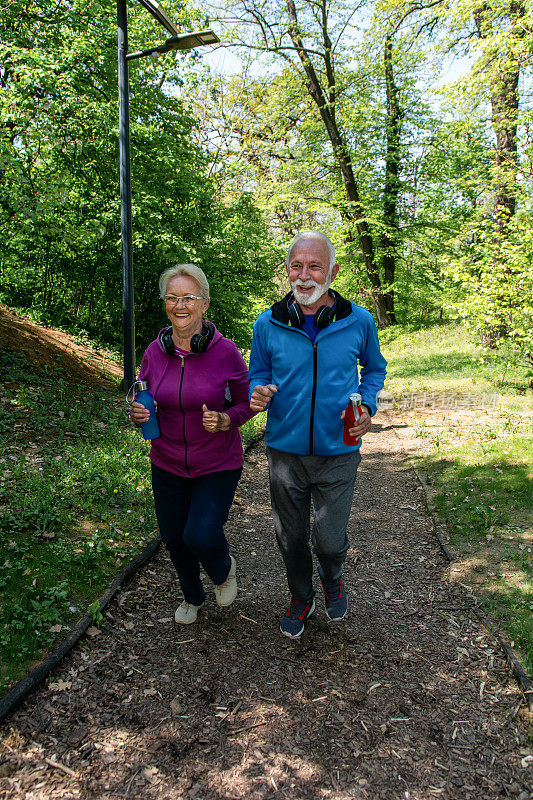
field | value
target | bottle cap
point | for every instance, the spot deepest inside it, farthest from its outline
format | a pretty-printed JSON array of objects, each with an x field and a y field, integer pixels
[
  {"x": 355, "y": 399},
  {"x": 136, "y": 386}
]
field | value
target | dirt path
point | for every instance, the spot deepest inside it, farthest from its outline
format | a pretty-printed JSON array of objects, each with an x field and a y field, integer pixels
[
  {"x": 409, "y": 698},
  {"x": 44, "y": 346}
]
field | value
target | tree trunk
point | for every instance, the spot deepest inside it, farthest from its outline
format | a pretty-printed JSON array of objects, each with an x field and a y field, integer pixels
[
  {"x": 504, "y": 117},
  {"x": 47, "y": 273},
  {"x": 504, "y": 103},
  {"x": 389, "y": 239},
  {"x": 504, "y": 75}
]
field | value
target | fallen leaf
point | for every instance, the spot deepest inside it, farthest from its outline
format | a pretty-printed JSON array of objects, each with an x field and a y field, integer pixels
[
  {"x": 60, "y": 686},
  {"x": 175, "y": 708},
  {"x": 77, "y": 736}
]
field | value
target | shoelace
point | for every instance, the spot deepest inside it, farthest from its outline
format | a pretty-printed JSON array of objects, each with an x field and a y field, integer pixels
[{"x": 295, "y": 613}]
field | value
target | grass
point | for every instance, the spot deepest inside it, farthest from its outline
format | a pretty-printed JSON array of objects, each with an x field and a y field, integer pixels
[
  {"x": 478, "y": 462},
  {"x": 253, "y": 427},
  {"x": 75, "y": 504}
]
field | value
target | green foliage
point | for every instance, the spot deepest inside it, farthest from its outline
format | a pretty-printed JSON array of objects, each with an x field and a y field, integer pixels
[
  {"x": 253, "y": 428},
  {"x": 459, "y": 163},
  {"x": 94, "y": 610},
  {"x": 491, "y": 267},
  {"x": 272, "y": 134},
  {"x": 60, "y": 249},
  {"x": 497, "y": 276},
  {"x": 75, "y": 501}
]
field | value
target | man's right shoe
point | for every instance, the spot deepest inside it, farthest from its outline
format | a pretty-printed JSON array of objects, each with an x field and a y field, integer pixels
[
  {"x": 336, "y": 600},
  {"x": 293, "y": 623},
  {"x": 186, "y": 613}
]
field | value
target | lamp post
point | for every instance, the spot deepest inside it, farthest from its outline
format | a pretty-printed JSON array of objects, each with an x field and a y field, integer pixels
[{"x": 177, "y": 41}]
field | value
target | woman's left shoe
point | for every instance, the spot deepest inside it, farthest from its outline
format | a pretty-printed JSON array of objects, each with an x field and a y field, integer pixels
[
  {"x": 186, "y": 613},
  {"x": 226, "y": 593}
]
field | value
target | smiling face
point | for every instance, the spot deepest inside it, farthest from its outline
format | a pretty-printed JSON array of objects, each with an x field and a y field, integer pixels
[
  {"x": 309, "y": 273},
  {"x": 186, "y": 320}
]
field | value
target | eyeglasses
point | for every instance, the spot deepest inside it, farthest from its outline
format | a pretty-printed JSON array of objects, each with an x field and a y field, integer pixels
[{"x": 187, "y": 300}]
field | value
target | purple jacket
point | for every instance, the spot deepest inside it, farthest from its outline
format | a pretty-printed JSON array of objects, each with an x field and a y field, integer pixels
[{"x": 181, "y": 384}]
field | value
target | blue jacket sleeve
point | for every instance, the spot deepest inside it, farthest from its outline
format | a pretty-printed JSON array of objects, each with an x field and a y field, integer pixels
[
  {"x": 239, "y": 412},
  {"x": 260, "y": 369},
  {"x": 373, "y": 368}
]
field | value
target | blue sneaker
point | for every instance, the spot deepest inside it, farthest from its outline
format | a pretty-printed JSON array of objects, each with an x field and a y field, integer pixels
[
  {"x": 292, "y": 624},
  {"x": 336, "y": 600}
]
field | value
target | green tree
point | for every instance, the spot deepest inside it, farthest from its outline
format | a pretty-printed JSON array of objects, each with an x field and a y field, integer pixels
[
  {"x": 313, "y": 38},
  {"x": 495, "y": 273},
  {"x": 59, "y": 198}
]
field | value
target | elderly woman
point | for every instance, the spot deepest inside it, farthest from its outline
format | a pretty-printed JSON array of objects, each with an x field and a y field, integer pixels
[{"x": 198, "y": 380}]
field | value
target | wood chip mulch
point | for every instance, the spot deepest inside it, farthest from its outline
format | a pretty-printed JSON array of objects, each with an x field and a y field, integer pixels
[{"x": 408, "y": 698}]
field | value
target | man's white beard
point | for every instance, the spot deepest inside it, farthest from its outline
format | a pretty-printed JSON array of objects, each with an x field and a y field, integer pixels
[{"x": 309, "y": 300}]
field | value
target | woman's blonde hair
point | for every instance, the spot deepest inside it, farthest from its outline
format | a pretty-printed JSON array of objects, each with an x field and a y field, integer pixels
[{"x": 191, "y": 271}]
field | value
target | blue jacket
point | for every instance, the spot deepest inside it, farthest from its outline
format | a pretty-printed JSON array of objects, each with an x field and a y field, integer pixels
[{"x": 314, "y": 381}]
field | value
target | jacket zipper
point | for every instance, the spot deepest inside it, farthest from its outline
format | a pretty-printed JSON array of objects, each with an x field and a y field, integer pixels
[
  {"x": 313, "y": 394},
  {"x": 183, "y": 413},
  {"x": 313, "y": 399}
]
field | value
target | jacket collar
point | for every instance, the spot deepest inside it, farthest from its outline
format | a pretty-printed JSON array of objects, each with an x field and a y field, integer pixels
[{"x": 281, "y": 314}]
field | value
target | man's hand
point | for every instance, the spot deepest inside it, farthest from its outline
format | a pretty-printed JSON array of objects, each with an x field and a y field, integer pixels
[
  {"x": 362, "y": 425},
  {"x": 214, "y": 421},
  {"x": 261, "y": 397}
]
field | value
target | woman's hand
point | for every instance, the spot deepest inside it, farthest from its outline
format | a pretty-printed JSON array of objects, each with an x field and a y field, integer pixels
[
  {"x": 139, "y": 413},
  {"x": 215, "y": 421}
]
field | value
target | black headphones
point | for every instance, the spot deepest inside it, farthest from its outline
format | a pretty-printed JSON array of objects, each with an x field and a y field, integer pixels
[
  {"x": 199, "y": 342},
  {"x": 323, "y": 317}
]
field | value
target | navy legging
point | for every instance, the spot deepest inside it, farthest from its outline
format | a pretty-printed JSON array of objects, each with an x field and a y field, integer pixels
[{"x": 191, "y": 514}]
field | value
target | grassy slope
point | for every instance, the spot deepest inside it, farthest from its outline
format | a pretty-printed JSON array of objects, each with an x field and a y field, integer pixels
[
  {"x": 479, "y": 461},
  {"x": 74, "y": 505}
]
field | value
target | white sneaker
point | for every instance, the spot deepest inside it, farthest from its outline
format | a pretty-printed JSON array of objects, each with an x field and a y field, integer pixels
[
  {"x": 186, "y": 613},
  {"x": 226, "y": 593}
]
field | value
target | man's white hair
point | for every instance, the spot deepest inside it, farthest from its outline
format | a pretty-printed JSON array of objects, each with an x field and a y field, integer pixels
[
  {"x": 317, "y": 237},
  {"x": 187, "y": 270}
]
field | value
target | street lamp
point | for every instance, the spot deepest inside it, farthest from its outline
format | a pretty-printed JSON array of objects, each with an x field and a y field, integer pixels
[{"x": 177, "y": 41}]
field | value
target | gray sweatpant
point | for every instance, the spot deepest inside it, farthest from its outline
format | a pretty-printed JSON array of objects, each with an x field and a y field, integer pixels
[{"x": 329, "y": 482}]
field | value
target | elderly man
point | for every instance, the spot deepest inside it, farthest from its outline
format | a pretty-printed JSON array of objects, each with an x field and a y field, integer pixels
[{"x": 303, "y": 368}]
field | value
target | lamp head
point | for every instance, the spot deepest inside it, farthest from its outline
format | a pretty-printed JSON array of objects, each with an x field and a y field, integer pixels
[
  {"x": 153, "y": 7},
  {"x": 186, "y": 41}
]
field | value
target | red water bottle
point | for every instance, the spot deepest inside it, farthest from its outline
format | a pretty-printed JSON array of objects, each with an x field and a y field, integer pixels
[{"x": 352, "y": 413}]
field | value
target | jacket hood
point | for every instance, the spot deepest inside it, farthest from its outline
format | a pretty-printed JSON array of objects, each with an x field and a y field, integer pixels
[{"x": 280, "y": 309}]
